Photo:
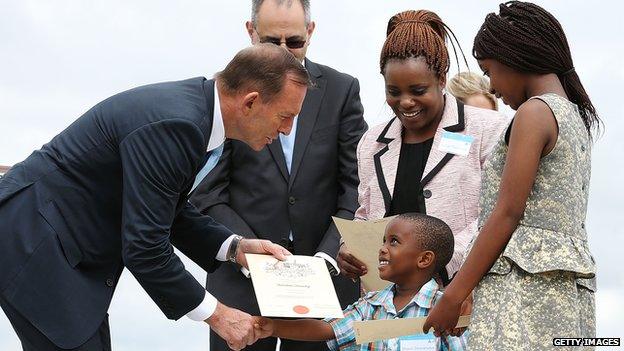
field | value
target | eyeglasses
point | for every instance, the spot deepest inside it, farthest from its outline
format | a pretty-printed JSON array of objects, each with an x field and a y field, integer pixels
[{"x": 291, "y": 43}]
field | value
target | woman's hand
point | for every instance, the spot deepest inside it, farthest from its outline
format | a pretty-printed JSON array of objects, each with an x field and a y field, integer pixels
[{"x": 350, "y": 266}]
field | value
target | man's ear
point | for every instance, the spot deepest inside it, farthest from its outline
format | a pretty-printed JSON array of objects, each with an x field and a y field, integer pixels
[
  {"x": 250, "y": 30},
  {"x": 425, "y": 259},
  {"x": 249, "y": 100},
  {"x": 311, "y": 27}
]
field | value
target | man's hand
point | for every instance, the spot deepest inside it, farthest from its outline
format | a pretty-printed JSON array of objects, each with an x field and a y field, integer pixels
[
  {"x": 350, "y": 266},
  {"x": 258, "y": 246},
  {"x": 264, "y": 327},
  {"x": 234, "y": 326}
]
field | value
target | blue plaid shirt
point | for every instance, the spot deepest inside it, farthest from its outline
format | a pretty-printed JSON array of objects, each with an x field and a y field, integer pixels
[{"x": 379, "y": 305}]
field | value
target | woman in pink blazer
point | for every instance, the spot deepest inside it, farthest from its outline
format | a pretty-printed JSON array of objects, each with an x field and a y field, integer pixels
[{"x": 428, "y": 158}]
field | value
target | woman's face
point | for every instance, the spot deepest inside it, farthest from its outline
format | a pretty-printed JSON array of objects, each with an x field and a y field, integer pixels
[
  {"x": 505, "y": 82},
  {"x": 415, "y": 95}
]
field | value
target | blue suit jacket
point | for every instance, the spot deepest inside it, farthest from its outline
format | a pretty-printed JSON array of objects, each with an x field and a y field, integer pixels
[{"x": 106, "y": 193}]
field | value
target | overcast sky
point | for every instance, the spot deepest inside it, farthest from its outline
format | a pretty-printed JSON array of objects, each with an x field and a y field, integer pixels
[{"x": 58, "y": 58}]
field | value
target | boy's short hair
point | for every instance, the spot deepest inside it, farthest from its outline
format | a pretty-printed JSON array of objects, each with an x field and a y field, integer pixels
[{"x": 433, "y": 234}]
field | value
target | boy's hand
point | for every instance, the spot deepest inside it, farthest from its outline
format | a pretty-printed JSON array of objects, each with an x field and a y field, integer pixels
[
  {"x": 233, "y": 326},
  {"x": 443, "y": 317},
  {"x": 263, "y": 327}
]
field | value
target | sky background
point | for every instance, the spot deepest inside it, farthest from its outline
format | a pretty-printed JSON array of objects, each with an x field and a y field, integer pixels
[{"x": 58, "y": 58}]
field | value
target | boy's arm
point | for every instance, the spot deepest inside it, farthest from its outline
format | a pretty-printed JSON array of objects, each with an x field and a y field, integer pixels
[{"x": 300, "y": 329}]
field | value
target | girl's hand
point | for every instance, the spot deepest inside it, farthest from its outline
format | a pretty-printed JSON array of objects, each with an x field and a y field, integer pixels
[
  {"x": 443, "y": 316},
  {"x": 466, "y": 309}
]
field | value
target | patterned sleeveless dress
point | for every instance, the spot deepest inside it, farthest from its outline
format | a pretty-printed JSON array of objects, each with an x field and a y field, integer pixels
[{"x": 542, "y": 286}]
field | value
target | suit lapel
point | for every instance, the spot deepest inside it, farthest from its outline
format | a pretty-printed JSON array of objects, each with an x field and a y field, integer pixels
[
  {"x": 452, "y": 121},
  {"x": 275, "y": 148},
  {"x": 307, "y": 118},
  {"x": 209, "y": 93},
  {"x": 387, "y": 159}
]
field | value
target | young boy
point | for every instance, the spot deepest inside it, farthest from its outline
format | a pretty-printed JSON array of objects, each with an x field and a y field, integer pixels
[{"x": 415, "y": 246}]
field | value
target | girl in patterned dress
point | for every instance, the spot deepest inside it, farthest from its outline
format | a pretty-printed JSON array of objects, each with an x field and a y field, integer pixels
[{"x": 530, "y": 266}]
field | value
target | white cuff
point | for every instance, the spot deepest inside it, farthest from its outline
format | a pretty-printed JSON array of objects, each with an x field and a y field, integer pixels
[
  {"x": 205, "y": 309},
  {"x": 329, "y": 259},
  {"x": 222, "y": 254},
  {"x": 245, "y": 272}
]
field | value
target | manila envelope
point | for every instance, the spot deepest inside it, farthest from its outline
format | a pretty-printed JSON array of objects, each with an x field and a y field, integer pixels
[
  {"x": 363, "y": 240},
  {"x": 383, "y": 329}
]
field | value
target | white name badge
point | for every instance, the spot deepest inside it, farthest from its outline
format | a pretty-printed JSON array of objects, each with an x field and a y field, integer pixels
[
  {"x": 420, "y": 342},
  {"x": 455, "y": 143}
]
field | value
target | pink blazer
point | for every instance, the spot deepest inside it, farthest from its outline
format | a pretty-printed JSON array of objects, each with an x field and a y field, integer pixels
[{"x": 452, "y": 182}]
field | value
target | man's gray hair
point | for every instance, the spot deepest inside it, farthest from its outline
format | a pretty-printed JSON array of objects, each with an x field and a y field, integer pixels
[{"x": 255, "y": 7}]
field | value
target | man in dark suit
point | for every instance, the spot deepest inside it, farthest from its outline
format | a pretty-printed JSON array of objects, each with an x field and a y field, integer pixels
[
  {"x": 110, "y": 191},
  {"x": 288, "y": 192}
]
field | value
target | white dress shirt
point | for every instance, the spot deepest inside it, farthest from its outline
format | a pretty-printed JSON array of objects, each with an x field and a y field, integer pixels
[{"x": 217, "y": 136}]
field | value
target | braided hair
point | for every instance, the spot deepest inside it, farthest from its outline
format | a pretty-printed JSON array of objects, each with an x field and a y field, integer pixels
[
  {"x": 529, "y": 39},
  {"x": 419, "y": 34}
]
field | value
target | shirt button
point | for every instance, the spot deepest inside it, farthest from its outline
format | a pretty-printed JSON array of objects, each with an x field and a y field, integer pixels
[
  {"x": 292, "y": 200},
  {"x": 110, "y": 282},
  {"x": 427, "y": 193}
]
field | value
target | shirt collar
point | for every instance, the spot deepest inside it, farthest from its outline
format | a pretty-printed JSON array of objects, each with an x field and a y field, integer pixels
[
  {"x": 424, "y": 298},
  {"x": 217, "y": 134}
]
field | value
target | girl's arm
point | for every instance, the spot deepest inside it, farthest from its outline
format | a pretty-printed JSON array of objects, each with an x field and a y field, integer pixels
[
  {"x": 300, "y": 329},
  {"x": 533, "y": 135}
]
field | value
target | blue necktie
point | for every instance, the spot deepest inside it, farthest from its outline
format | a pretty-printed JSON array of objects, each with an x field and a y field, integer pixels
[{"x": 213, "y": 159}]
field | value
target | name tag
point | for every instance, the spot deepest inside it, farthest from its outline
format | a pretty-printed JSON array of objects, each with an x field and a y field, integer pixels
[
  {"x": 419, "y": 342},
  {"x": 455, "y": 143}
]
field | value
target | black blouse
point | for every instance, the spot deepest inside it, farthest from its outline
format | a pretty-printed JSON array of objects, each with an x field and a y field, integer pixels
[{"x": 407, "y": 196}]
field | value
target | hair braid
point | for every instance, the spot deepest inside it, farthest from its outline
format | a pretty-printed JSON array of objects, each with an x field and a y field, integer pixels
[
  {"x": 418, "y": 33},
  {"x": 528, "y": 38}
]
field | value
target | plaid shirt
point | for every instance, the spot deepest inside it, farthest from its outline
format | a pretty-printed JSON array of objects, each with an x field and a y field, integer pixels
[{"x": 379, "y": 305}]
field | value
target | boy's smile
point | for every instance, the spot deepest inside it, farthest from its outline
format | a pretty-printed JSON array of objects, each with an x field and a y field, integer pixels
[{"x": 398, "y": 255}]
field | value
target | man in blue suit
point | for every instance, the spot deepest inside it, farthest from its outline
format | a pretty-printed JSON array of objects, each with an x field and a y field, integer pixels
[{"x": 110, "y": 191}]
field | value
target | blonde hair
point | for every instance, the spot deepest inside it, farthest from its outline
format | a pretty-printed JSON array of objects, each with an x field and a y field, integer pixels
[{"x": 466, "y": 84}]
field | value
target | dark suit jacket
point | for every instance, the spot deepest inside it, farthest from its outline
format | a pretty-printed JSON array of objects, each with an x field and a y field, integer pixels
[
  {"x": 107, "y": 192},
  {"x": 253, "y": 194}
]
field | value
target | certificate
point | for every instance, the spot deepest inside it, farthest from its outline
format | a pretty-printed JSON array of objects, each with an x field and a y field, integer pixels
[{"x": 299, "y": 287}]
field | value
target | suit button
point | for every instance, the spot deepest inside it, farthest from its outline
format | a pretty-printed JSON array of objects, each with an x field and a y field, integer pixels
[
  {"x": 110, "y": 282},
  {"x": 292, "y": 200},
  {"x": 427, "y": 193},
  {"x": 582, "y": 147}
]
